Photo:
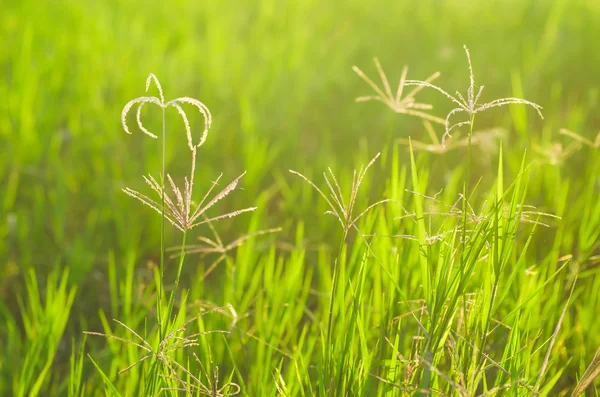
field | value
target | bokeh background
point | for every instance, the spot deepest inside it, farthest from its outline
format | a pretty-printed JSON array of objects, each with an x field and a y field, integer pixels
[{"x": 277, "y": 77}]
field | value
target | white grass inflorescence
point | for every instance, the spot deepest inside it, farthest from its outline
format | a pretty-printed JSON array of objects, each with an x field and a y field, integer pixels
[
  {"x": 595, "y": 144},
  {"x": 526, "y": 214},
  {"x": 196, "y": 384},
  {"x": 555, "y": 153},
  {"x": 485, "y": 138},
  {"x": 175, "y": 103},
  {"x": 470, "y": 105},
  {"x": 217, "y": 246},
  {"x": 398, "y": 103},
  {"x": 180, "y": 210},
  {"x": 173, "y": 341},
  {"x": 339, "y": 208}
]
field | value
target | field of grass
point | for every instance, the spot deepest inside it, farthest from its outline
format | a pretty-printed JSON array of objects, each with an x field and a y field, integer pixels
[{"x": 357, "y": 255}]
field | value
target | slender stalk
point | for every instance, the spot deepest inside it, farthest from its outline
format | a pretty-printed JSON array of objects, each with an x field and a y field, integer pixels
[
  {"x": 469, "y": 153},
  {"x": 182, "y": 256},
  {"x": 183, "y": 242},
  {"x": 174, "y": 292},
  {"x": 466, "y": 196},
  {"x": 151, "y": 385},
  {"x": 162, "y": 228}
]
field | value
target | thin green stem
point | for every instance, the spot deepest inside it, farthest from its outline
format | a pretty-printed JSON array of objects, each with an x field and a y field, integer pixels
[
  {"x": 162, "y": 228},
  {"x": 179, "y": 267},
  {"x": 469, "y": 153},
  {"x": 465, "y": 207},
  {"x": 181, "y": 258}
]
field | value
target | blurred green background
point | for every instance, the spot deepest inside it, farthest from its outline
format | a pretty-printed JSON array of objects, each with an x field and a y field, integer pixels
[{"x": 277, "y": 77}]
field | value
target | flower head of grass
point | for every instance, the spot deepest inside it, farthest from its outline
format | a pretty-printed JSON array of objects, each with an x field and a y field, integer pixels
[
  {"x": 595, "y": 144},
  {"x": 484, "y": 138},
  {"x": 470, "y": 105},
  {"x": 217, "y": 246},
  {"x": 175, "y": 103},
  {"x": 179, "y": 209},
  {"x": 173, "y": 341},
  {"x": 555, "y": 153},
  {"x": 340, "y": 208},
  {"x": 197, "y": 386},
  {"x": 525, "y": 214},
  {"x": 398, "y": 103}
]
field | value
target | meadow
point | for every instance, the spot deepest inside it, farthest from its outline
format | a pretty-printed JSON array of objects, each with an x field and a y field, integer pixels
[{"x": 299, "y": 198}]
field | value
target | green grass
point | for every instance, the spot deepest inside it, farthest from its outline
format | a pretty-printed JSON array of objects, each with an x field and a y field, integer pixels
[{"x": 455, "y": 285}]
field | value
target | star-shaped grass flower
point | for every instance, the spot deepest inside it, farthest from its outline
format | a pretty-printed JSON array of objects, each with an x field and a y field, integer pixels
[
  {"x": 470, "y": 105},
  {"x": 398, "y": 103}
]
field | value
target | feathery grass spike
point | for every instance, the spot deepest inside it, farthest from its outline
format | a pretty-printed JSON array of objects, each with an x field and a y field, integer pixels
[
  {"x": 176, "y": 103},
  {"x": 470, "y": 105},
  {"x": 404, "y": 105}
]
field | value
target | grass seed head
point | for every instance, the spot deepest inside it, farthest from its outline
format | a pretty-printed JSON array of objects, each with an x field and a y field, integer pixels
[
  {"x": 179, "y": 209},
  {"x": 470, "y": 105},
  {"x": 403, "y": 105}
]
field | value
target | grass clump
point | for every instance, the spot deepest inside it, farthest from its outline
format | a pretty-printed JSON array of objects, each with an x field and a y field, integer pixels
[{"x": 165, "y": 370}]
